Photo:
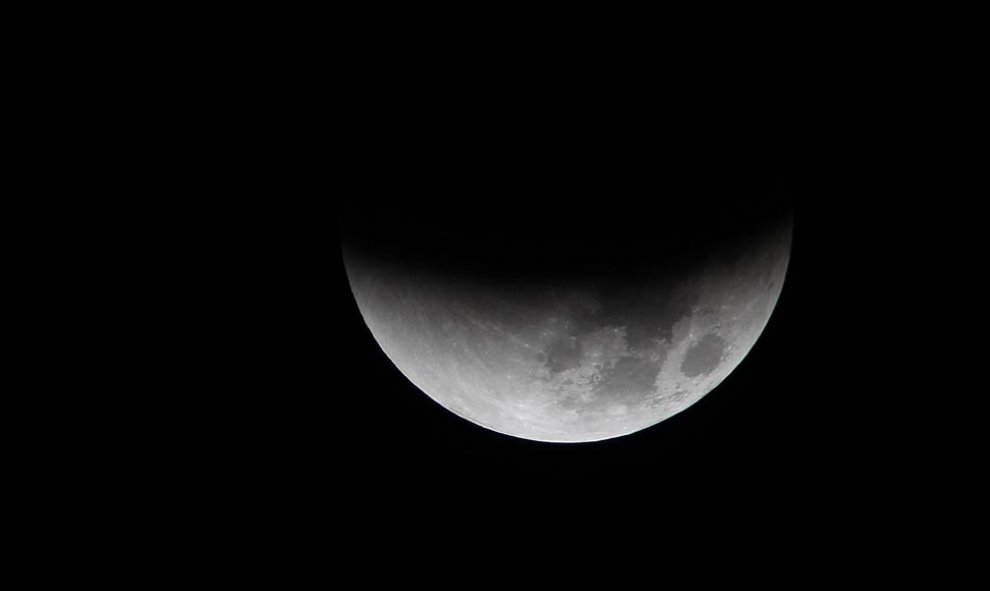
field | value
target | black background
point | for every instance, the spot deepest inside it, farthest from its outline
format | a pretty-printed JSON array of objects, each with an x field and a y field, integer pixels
[{"x": 815, "y": 434}]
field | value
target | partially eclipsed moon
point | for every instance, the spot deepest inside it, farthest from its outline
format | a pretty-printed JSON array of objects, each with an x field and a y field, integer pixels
[{"x": 574, "y": 363}]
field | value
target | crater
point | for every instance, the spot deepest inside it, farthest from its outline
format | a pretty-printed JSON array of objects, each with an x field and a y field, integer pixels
[{"x": 704, "y": 356}]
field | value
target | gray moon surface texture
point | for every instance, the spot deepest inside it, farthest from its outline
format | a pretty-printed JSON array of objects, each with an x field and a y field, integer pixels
[{"x": 575, "y": 362}]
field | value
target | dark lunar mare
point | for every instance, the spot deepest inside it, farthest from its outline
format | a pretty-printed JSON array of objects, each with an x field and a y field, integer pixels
[{"x": 704, "y": 356}]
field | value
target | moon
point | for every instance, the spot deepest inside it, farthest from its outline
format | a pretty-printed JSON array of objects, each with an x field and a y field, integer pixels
[{"x": 575, "y": 358}]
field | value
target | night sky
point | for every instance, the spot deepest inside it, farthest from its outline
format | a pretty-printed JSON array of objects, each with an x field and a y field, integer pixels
[{"x": 804, "y": 434}]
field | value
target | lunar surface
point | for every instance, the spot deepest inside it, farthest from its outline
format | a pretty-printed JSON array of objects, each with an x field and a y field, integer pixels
[{"x": 575, "y": 361}]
